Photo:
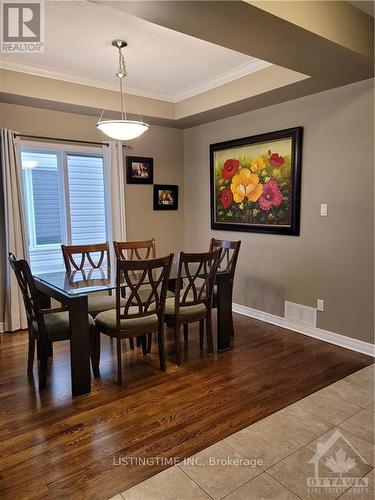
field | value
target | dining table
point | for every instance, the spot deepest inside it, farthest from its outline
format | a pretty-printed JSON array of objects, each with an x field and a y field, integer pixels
[{"x": 71, "y": 289}]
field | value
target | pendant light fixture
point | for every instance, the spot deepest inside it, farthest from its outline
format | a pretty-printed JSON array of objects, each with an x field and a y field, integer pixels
[{"x": 124, "y": 129}]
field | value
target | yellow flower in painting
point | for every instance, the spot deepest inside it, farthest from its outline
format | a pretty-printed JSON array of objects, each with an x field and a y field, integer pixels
[
  {"x": 257, "y": 165},
  {"x": 246, "y": 184}
]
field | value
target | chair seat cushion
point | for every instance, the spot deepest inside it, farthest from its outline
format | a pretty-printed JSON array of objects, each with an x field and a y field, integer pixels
[
  {"x": 107, "y": 320},
  {"x": 186, "y": 311},
  {"x": 99, "y": 303},
  {"x": 144, "y": 294},
  {"x": 190, "y": 294},
  {"x": 57, "y": 325}
]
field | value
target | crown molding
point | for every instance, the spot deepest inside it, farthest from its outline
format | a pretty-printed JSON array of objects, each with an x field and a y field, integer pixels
[
  {"x": 33, "y": 69},
  {"x": 223, "y": 78},
  {"x": 209, "y": 84}
]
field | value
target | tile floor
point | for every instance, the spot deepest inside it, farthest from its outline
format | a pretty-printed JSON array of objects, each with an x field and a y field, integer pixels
[{"x": 273, "y": 458}]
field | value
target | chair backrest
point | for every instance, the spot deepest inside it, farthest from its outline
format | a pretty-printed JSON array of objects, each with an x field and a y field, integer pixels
[
  {"x": 229, "y": 254},
  {"x": 196, "y": 278},
  {"x": 131, "y": 276},
  {"x": 76, "y": 256},
  {"x": 135, "y": 250},
  {"x": 35, "y": 318}
]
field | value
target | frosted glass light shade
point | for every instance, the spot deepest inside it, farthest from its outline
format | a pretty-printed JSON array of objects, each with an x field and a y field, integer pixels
[{"x": 122, "y": 130}]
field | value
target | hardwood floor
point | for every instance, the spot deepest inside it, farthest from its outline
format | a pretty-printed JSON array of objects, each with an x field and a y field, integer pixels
[{"x": 52, "y": 446}]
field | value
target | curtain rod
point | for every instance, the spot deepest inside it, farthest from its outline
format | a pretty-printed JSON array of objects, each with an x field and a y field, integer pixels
[{"x": 74, "y": 141}]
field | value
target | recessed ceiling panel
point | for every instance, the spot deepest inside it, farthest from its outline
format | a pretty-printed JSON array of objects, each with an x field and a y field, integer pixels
[{"x": 161, "y": 63}]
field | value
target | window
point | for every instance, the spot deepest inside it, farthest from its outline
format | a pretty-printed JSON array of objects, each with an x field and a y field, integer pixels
[{"x": 65, "y": 203}]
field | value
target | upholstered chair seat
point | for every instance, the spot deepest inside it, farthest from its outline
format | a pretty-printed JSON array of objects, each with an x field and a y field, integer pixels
[
  {"x": 99, "y": 303},
  {"x": 57, "y": 325},
  {"x": 107, "y": 320},
  {"x": 145, "y": 292},
  {"x": 184, "y": 311}
]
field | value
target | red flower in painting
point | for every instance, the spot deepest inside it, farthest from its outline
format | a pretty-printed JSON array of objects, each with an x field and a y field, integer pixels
[
  {"x": 230, "y": 168},
  {"x": 275, "y": 160},
  {"x": 226, "y": 197},
  {"x": 271, "y": 196}
]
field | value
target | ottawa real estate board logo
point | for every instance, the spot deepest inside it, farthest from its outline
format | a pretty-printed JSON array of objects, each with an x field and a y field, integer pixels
[
  {"x": 338, "y": 466},
  {"x": 22, "y": 27}
]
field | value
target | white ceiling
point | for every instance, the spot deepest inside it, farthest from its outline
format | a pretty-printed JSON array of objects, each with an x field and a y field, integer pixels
[{"x": 161, "y": 63}]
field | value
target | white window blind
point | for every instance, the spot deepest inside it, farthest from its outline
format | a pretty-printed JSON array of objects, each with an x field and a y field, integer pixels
[
  {"x": 87, "y": 199},
  {"x": 64, "y": 202}
]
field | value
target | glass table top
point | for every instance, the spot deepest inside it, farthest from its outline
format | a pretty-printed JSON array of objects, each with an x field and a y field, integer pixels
[
  {"x": 88, "y": 281},
  {"x": 79, "y": 282}
]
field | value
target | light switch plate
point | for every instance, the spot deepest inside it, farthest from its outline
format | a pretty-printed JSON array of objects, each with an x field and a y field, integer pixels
[
  {"x": 323, "y": 209},
  {"x": 320, "y": 305}
]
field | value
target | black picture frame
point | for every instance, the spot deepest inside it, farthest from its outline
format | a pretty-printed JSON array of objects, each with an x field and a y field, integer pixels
[
  {"x": 172, "y": 191},
  {"x": 143, "y": 163},
  {"x": 294, "y": 193}
]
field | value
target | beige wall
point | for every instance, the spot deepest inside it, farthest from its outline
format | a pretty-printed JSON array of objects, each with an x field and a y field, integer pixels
[
  {"x": 163, "y": 144},
  {"x": 333, "y": 259}
]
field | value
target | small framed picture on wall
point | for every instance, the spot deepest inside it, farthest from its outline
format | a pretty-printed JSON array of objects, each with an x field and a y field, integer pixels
[
  {"x": 139, "y": 170},
  {"x": 165, "y": 197}
]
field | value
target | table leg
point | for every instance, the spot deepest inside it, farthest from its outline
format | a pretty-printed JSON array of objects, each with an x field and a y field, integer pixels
[
  {"x": 225, "y": 328},
  {"x": 79, "y": 346},
  {"x": 172, "y": 288},
  {"x": 44, "y": 300},
  {"x": 172, "y": 284}
]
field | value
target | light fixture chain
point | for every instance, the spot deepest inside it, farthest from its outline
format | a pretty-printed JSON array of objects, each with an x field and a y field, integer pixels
[
  {"x": 121, "y": 74},
  {"x": 121, "y": 65}
]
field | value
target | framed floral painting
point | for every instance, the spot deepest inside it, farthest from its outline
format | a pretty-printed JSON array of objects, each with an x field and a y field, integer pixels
[{"x": 256, "y": 183}]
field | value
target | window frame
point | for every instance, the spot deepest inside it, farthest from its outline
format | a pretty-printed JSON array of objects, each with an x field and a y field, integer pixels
[{"x": 62, "y": 152}]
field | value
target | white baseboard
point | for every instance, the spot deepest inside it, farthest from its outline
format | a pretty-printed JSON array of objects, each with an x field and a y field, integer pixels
[
  {"x": 2, "y": 327},
  {"x": 317, "y": 333}
]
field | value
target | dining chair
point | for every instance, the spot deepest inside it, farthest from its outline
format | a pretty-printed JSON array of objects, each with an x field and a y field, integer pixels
[
  {"x": 135, "y": 250},
  {"x": 46, "y": 325},
  {"x": 228, "y": 261},
  {"x": 83, "y": 257},
  {"x": 138, "y": 317},
  {"x": 193, "y": 297},
  {"x": 139, "y": 250}
]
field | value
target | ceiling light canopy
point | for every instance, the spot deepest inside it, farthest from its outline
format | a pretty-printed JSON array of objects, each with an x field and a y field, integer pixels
[{"x": 124, "y": 129}]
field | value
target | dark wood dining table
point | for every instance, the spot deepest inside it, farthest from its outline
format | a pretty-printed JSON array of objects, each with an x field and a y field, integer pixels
[{"x": 71, "y": 289}]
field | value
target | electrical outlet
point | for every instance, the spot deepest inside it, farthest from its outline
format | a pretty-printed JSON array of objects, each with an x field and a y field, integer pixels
[
  {"x": 323, "y": 209},
  {"x": 320, "y": 305}
]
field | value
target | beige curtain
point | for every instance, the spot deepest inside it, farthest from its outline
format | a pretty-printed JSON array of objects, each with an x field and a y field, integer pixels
[
  {"x": 115, "y": 192},
  {"x": 12, "y": 227}
]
